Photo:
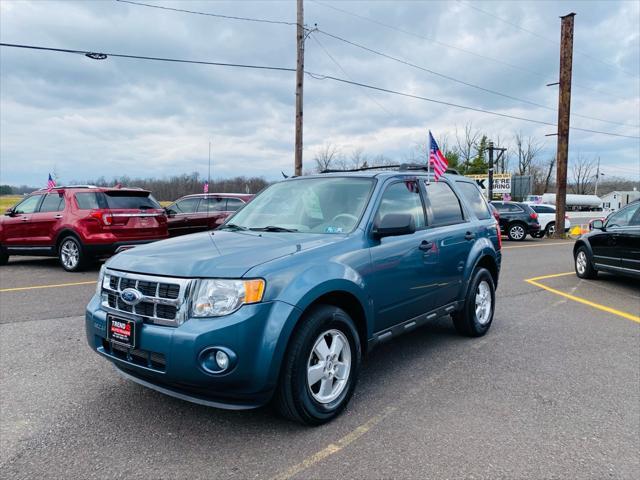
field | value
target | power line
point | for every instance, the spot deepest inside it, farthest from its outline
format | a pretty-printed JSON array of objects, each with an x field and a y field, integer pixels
[
  {"x": 376, "y": 52},
  {"x": 536, "y": 34},
  {"x": 453, "y": 47},
  {"x": 194, "y": 12},
  {"x": 103, "y": 55},
  {"x": 346, "y": 74},
  {"x": 462, "y": 82}
]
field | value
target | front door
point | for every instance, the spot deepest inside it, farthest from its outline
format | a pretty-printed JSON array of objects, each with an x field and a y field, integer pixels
[
  {"x": 628, "y": 238},
  {"x": 43, "y": 224},
  {"x": 16, "y": 227},
  {"x": 180, "y": 216},
  {"x": 403, "y": 276}
]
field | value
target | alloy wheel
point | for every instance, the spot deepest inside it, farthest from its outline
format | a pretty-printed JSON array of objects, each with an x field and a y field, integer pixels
[
  {"x": 70, "y": 254},
  {"x": 517, "y": 232},
  {"x": 581, "y": 262},
  {"x": 328, "y": 366},
  {"x": 483, "y": 303}
]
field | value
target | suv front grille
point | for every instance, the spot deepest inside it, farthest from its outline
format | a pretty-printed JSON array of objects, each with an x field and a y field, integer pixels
[{"x": 163, "y": 299}]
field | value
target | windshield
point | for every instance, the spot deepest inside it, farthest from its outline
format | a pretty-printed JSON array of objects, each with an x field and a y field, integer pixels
[{"x": 315, "y": 205}]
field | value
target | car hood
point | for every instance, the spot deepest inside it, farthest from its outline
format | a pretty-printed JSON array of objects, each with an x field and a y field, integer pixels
[{"x": 222, "y": 254}]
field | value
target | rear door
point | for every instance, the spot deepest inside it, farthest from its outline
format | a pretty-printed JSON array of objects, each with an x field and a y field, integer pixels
[
  {"x": 211, "y": 213},
  {"x": 16, "y": 228},
  {"x": 136, "y": 215},
  {"x": 452, "y": 234},
  {"x": 43, "y": 225}
]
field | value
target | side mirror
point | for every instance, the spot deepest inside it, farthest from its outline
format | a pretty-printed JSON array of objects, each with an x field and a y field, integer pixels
[
  {"x": 169, "y": 212},
  {"x": 9, "y": 212},
  {"x": 597, "y": 225},
  {"x": 394, "y": 224}
]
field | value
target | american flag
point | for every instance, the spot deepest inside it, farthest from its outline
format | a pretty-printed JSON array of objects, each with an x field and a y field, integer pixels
[
  {"x": 51, "y": 183},
  {"x": 206, "y": 187},
  {"x": 436, "y": 159}
]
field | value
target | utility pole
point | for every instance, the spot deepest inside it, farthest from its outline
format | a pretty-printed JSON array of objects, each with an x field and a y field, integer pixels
[
  {"x": 597, "y": 177},
  {"x": 490, "y": 188},
  {"x": 564, "y": 107},
  {"x": 500, "y": 156},
  {"x": 299, "y": 88}
]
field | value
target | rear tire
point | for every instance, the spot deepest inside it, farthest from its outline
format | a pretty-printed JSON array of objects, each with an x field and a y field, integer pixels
[
  {"x": 517, "y": 232},
  {"x": 474, "y": 320},
  {"x": 71, "y": 254},
  {"x": 584, "y": 267},
  {"x": 550, "y": 230},
  {"x": 320, "y": 369}
]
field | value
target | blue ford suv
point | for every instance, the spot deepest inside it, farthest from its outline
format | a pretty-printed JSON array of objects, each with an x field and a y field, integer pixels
[{"x": 283, "y": 300}]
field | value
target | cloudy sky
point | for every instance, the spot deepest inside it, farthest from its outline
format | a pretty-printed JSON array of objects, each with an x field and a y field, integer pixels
[{"x": 85, "y": 118}]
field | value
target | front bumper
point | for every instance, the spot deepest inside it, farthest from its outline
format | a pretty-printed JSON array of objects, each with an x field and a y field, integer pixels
[{"x": 166, "y": 358}]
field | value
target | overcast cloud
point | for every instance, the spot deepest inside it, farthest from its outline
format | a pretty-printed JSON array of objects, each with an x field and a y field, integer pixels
[{"x": 85, "y": 118}]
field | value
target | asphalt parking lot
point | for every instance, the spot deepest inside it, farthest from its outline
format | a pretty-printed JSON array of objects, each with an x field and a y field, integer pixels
[{"x": 553, "y": 391}]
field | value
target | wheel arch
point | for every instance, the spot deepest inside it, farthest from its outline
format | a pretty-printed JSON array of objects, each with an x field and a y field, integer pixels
[{"x": 64, "y": 233}]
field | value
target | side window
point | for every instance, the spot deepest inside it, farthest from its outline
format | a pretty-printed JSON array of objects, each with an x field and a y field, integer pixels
[
  {"x": 212, "y": 204},
  {"x": 402, "y": 197},
  {"x": 513, "y": 208},
  {"x": 53, "y": 202},
  {"x": 501, "y": 207},
  {"x": 28, "y": 205},
  {"x": 234, "y": 204},
  {"x": 188, "y": 205},
  {"x": 622, "y": 218},
  {"x": 445, "y": 206},
  {"x": 87, "y": 201},
  {"x": 474, "y": 198}
]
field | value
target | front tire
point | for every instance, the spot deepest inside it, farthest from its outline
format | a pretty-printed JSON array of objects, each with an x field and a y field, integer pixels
[
  {"x": 320, "y": 369},
  {"x": 583, "y": 265},
  {"x": 517, "y": 232},
  {"x": 474, "y": 320},
  {"x": 550, "y": 230},
  {"x": 71, "y": 255}
]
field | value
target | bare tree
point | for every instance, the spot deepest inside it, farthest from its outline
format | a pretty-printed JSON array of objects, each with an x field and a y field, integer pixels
[
  {"x": 551, "y": 166},
  {"x": 583, "y": 172},
  {"x": 358, "y": 159},
  {"x": 326, "y": 157},
  {"x": 527, "y": 149},
  {"x": 466, "y": 144}
]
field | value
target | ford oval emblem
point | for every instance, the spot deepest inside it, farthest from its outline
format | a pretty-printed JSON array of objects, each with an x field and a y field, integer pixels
[{"x": 131, "y": 296}]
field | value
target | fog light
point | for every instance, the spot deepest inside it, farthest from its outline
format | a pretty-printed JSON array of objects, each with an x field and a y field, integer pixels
[
  {"x": 217, "y": 360},
  {"x": 222, "y": 359}
]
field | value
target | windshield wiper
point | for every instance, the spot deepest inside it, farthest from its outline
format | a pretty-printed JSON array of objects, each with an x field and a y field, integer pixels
[
  {"x": 231, "y": 226},
  {"x": 273, "y": 228}
]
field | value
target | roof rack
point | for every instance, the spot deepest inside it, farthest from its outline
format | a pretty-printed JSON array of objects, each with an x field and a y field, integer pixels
[
  {"x": 69, "y": 186},
  {"x": 403, "y": 167}
]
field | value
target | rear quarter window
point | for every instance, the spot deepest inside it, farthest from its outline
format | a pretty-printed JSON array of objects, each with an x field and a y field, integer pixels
[
  {"x": 474, "y": 198},
  {"x": 88, "y": 201}
]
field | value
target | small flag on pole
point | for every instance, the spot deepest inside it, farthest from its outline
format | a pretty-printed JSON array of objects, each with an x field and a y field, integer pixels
[
  {"x": 51, "y": 183},
  {"x": 436, "y": 159},
  {"x": 206, "y": 187}
]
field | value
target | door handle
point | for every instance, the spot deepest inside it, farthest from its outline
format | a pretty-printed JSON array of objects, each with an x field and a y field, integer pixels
[
  {"x": 25, "y": 219},
  {"x": 469, "y": 236},
  {"x": 425, "y": 246},
  {"x": 58, "y": 216}
]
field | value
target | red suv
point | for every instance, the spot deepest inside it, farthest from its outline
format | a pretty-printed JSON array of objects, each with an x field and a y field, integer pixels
[
  {"x": 203, "y": 211},
  {"x": 80, "y": 223}
]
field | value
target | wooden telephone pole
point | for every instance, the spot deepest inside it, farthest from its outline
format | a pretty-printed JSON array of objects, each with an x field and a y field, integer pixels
[
  {"x": 564, "y": 107},
  {"x": 299, "y": 87}
]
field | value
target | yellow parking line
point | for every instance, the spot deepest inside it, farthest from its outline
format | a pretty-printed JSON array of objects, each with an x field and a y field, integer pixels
[
  {"x": 584, "y": 301},
  {"x": 334, "y": 448},
  {"x": 36, "y": 287},
  {"x": 538, "y": 245}
]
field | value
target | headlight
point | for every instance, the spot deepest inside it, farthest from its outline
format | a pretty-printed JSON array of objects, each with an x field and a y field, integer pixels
[
  {"x": 218, "y": 297},
  {"x": 100, "y": 279}
]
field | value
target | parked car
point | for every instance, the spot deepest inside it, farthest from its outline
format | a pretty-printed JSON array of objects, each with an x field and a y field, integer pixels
[
  {"x": 281, "y": 302},
  {"x": 547, "y": 219},
  {"x": 612, "y": 246},
  {"x": 494, "y": 212},
  {"x": 78, "y": 224},
  {"x": 205, "y": 211},
  {"x": 517, "y": 220}
]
